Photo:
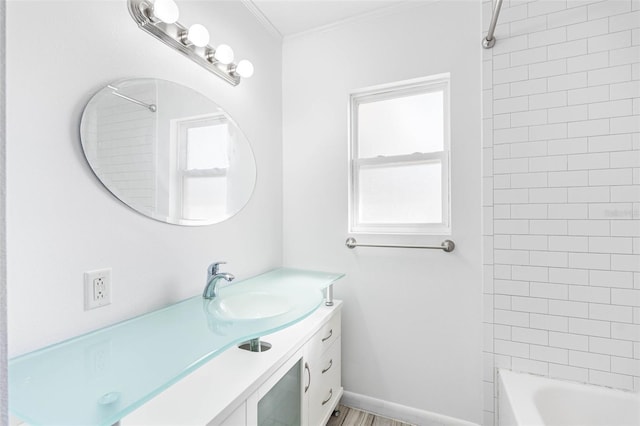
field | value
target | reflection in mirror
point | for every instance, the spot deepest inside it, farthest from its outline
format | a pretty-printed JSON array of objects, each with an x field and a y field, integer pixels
[{"x": 168, "y": 152}]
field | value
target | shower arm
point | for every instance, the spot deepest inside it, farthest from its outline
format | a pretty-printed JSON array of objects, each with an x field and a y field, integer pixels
[
  {"x": 150, "y": 107},
  {"x": 490, "y": 40}
]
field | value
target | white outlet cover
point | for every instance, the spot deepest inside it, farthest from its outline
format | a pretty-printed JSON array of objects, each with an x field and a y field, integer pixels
[{"x": 90, "y": 302}]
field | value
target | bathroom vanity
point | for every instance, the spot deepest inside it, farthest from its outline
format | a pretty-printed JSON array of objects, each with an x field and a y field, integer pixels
[
  {"x": 297, "y": 381},
  {"x": 182, "y": 364}
]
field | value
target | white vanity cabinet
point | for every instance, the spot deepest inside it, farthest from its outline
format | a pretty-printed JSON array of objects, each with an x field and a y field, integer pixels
[
  {"x": 322, "y": 362},
  {"x": 297, "y": 381},
  {"x": 307, "y": 388}
]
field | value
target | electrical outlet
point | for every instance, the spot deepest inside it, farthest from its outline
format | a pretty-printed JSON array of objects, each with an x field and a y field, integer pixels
[{"x": 97, "y": 288}]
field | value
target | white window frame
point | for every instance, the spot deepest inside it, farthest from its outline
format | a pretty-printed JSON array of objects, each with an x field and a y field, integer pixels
[
  {"x": 178, "y": 170},
  {"x": 436, "y": 83}
]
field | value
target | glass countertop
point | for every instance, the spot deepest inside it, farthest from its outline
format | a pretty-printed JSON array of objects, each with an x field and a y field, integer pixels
[{"x": 100, "y": 377}]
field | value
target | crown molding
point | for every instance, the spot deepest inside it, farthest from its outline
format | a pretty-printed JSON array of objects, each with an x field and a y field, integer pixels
[{"x": 262, "y": 19}]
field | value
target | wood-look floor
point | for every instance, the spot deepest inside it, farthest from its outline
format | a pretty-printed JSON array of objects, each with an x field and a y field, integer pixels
[{"x": 353, "y": 417}]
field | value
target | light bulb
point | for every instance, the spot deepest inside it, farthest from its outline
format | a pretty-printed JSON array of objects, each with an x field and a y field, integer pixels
[
  {"x": 197, "y": 35},
  {"x": 244, "y": 69},
  {"x": 165, "y": 11},
  {"x": 224, "y": 54}
]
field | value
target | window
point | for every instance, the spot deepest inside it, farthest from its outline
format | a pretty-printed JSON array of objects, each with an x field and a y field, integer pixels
[
  {"x": 399, "y": 158},
  {"x": 203, "y": 163}
]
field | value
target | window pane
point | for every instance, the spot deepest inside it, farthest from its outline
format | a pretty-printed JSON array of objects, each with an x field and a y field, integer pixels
[
  {"x": 207, "y": 147},
  {"x": 204, "y": 197},
  {"x": 401, "y": 125},
  {"x": 401, "y": 194}
]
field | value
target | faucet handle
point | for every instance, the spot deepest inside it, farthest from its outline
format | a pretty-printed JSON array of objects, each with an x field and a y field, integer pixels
[{"x": 213, "y": 268}]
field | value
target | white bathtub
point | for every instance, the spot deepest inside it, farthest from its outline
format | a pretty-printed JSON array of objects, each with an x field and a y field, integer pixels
[{"x": 527, "y": 400}]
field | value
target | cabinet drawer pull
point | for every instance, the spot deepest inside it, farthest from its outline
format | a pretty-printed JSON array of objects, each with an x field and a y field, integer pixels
[
  {"x": 329, "y": 367},
  {"x": 330, "y": 396},
  {"x": 324, "y": 339},
  {"x": 306, "y": 367}
]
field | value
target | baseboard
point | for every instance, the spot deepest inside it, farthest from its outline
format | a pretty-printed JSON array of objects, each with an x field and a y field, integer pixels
[{"x": 400, "y": 412}]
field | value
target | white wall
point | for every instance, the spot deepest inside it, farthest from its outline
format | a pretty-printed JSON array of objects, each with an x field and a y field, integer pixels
[
  {"x": 412, "y": 318},
  {"x": 62, "y": 222},
  {"x": 562, "y": 192},
  {"x": 3, "y": 257}
]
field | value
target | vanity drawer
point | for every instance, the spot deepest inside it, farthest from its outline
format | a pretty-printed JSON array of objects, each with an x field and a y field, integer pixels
[
  {"x": 324, "y": 338},
  {"x": 325, "y": 388}
]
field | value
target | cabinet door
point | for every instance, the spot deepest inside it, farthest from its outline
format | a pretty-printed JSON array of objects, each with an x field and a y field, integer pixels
[
  {"x": 279, "y": 400},
  {"x": 282, "y": 404}
]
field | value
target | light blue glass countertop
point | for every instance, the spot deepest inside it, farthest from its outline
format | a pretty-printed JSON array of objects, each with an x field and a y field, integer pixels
[{"x": 100, "y": 377}]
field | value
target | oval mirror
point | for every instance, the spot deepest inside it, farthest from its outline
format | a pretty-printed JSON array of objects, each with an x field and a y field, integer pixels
[{"x": 168, "y": 152}]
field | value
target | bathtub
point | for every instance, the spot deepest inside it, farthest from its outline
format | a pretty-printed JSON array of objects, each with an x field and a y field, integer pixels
[{"x": 524, "y": 399}]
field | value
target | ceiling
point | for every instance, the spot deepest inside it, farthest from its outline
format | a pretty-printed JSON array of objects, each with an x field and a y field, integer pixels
[{"x": 288, "y": 17}]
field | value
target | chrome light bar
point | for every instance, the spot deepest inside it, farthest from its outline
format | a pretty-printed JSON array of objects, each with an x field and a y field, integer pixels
[{"x": 175, "y": 35}]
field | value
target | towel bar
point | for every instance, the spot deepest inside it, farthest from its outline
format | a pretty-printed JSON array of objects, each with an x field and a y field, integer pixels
[{"x": 447, "y": 245}]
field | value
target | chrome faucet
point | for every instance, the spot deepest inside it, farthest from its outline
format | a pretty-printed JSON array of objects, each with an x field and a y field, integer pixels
[{"x": 213, "y": 276}]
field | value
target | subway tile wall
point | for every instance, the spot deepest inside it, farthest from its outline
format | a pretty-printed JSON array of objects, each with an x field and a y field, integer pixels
[
  {"x": 561, "y": 192},
  {"x": 125, "y": 135}
]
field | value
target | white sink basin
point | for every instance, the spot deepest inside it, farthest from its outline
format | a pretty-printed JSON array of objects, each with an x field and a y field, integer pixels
[{"x": 250, "y": 305}]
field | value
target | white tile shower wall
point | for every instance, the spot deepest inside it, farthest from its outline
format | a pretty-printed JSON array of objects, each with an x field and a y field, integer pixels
[
  {"x": 561, "y": 197},
  {"x": 114, "y": 127}
]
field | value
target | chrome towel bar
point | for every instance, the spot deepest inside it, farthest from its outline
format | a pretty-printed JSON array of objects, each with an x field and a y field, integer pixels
[{"x": 447, "y": 245}]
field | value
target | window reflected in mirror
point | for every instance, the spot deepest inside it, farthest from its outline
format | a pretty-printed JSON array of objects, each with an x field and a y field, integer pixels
[{"x": 168, "y": 152}]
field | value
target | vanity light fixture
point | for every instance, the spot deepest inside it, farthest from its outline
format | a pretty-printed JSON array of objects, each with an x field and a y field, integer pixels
[
  {"x": 244, "y": 69},
  {"x": 223, "y": 54},
  {"x": 160, "y": 19},
  {"x": 164, "y": 11},
  {"x": 197, "y": 35}
]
